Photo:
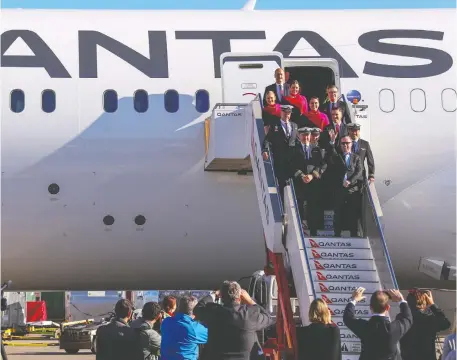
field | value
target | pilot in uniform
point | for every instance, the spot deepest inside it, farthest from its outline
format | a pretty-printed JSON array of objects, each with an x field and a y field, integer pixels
[
  {"x": 280, "y": 140},
  {"x": 362, "y": 148},
  {"x": 308, "y": 166}
]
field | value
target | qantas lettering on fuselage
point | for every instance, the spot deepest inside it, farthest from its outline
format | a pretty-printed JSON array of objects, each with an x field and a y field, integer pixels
[{"x": 156, "y": 65}]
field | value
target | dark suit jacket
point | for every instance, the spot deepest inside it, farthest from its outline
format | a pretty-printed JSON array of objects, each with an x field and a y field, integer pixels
[
  {"x": 419, "y": 341},
  {"x": 272, "y": 87},
  {"x": 339, "y": 169},
  {"x": 346, "y": 119},
  {"x": 379, "y": 336},
  {"x": 319, "y": 342},
  {"x": 364, "y": 151},
  {"x": 315, "y": 166},
  {"x": 115, "y": 341},
  {"x": 324, "y": 139},
  {"x": 232, "y": 329},
  {"x": 281, "y": 147}
]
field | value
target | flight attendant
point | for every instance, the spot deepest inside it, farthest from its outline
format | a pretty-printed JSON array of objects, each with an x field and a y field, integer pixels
[
  {"x": 272, "y": 111},
  {"x": 319, "y": 119},
  {"x": 294, "y": 98}
]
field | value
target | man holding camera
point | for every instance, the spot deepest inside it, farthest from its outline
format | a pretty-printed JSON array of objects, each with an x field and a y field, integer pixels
[
  {"x": 232, "y": 326},
  {"x": 380, "y": 337}
]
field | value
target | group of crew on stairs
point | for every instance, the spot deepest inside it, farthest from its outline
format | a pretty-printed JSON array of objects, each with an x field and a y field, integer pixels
[{"x": 325, "y": 159}]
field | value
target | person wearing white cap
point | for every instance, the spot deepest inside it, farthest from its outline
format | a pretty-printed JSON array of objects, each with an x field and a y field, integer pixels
[
  {"x": 280, "y": 140},
  {"x": 308, "y": 166}
]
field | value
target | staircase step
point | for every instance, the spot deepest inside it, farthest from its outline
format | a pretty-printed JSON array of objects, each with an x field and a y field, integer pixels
[
  {"x": 353, "y": 265},
  {"x": 338, "y": 310},
  {"x": 338, "y": 321},
  {"x": 350, "y": 357},
  {"x": 325, "y": 233},
  {"x": 348, "y": 335},
  {"x": 344, "y": 275},
  {"x": 337, "y": 243},
  {"x": 340, "y": 299},
  {"x": 340, "y": 254},
  {"x": 345, "y": 287}
]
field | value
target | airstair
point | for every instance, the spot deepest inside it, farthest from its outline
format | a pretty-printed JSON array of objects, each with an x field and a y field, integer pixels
[{"x": 321, "y": 267}]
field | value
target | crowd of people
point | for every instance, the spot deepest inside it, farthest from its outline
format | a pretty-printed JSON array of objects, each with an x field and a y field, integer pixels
[
  {"x": 224, "y": 326},
  {"x": 325, "y": 158}
]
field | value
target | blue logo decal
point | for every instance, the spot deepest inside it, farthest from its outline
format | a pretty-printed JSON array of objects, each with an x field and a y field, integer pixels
[{"x": 354, "y": 96}]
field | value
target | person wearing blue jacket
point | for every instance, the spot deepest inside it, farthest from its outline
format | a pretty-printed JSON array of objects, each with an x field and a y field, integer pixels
[{"x": 181, "y": 334}]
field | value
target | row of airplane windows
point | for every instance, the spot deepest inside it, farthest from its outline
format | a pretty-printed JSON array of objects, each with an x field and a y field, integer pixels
[
  {"x": 418, "y": 101},
  {"x": 110, "y": 101}
]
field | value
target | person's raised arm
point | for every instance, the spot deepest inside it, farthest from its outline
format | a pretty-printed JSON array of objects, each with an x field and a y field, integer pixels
[
  {"x": 439, "y": 320},
  {"x": 201, "y": 310},
  {"x": 404, "y": 320},
  {"x": 357, "y": 326},
  {"x": 259, "y": 318}
]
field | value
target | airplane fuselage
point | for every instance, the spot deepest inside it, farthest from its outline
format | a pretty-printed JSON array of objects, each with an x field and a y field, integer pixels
[{"x": 202, "y": 227}]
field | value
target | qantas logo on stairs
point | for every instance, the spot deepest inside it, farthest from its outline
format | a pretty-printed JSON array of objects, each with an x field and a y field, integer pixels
[
  {"x": 323, "y": 287},
  {"x": 316, "y": 255},
  {"x": 326, "y": 299},
  {"x": 320, "y": 276},
  {"x": 318, "y": 265},
  {"x": 313, "y": 243}
]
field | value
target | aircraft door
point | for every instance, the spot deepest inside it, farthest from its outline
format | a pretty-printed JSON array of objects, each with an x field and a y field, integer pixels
[{"x": 244, "y": 75}]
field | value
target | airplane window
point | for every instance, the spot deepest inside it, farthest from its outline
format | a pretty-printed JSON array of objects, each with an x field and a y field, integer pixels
[
  {"x": 449, "y": 100},
  {"x": 48, "y": 101},
  {"x": 417, "y": 100},
  {"x": 202, "y": 101},
  {"x": 386, "y": 100},
  {"x": 171, "y": 101},
  {"x": 110, "y": 101},
  {"x": 17, "y": 101},
  {"x": 141, "y": 101}
]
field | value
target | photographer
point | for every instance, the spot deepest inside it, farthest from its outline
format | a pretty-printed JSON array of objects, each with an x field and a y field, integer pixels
[
  {"x": 428, "y": 320},
  {"x": 379, "y": 335},
  {"x": 232, "y": 327}
]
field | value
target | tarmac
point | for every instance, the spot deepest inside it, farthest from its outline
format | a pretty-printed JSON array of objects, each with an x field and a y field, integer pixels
[{"x": 47, "y": 350}]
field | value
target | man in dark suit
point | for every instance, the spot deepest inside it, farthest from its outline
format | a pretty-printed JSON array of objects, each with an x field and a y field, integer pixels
[
  {"x": 332, "y": 93},
  {"x": 379, "y": 336},
  {"x": 336, "y": 125},
  {"x": 281, "y": 140},
  {"x": 362, "y": 148},
  {"x": 232, "y": 327},
  {"x": 280, "y": 87},
  {"x": 308, "y": 166},
  {"x": 115, "y": 341},
  {"x": 347, "y": 169}
]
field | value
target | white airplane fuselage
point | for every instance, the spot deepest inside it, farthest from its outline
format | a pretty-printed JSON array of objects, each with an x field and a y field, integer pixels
[{"x": 202, "y": 227}]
